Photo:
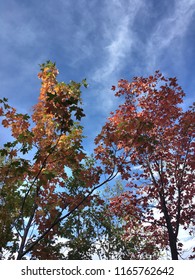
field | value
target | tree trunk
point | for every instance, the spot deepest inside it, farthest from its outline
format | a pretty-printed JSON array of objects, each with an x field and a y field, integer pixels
[
  {"x": 171, "y": 233},
  {"x": 173, "y": 244}
]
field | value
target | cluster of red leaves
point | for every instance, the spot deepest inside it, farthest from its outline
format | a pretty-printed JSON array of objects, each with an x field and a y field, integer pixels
[
  {"x": 150, "y": 141},
  {"x": 150, "y": 236}
]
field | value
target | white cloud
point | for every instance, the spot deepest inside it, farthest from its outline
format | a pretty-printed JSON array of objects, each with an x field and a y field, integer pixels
[
  {"x": 170, "y": 32},
  {"x": 118, "y": 29},
  {"x": 124, "y": 43},
  {"x": 118, "y": 42},
  {"x": 115, "y": 51}
]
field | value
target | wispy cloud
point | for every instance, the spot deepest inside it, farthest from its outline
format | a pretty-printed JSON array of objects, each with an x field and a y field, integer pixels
[
  {"x": 169, "y": 33},
  {"x": 120, "y": 37},
  {"x": 115, "y": 51}
]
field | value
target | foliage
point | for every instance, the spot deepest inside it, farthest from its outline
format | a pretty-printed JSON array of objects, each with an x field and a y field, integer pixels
[
  {"x": 150, "y": 140},
  {"x": 97, "y": 232},
  {"x": 48, "y": 184},
  {"x": 36, "y": 191}
]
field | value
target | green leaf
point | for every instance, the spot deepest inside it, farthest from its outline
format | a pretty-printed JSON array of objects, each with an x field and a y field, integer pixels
[
  {"x": 84, "y": 82},
  {"x": 3, "y": 152}
]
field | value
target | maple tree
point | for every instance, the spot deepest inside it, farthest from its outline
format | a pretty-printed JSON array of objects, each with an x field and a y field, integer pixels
[
  {"x": 149, "y": 139},
  {"x": 36, "y": 195}
]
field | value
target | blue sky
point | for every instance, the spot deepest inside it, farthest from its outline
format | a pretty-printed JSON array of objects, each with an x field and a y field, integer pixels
[{"x": 100, "y": 40}]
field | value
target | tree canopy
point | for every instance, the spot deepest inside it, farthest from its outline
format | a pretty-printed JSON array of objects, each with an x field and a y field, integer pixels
[{"x": 48, "y": 184}]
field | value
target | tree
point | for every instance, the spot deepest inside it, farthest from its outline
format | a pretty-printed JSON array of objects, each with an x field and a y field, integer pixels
[
  {"x": 150, "y": 140},
  {"x": 36, "y": 196},
  {"x": 97, "y": 232},
  {"x": 8, "y": 210}
]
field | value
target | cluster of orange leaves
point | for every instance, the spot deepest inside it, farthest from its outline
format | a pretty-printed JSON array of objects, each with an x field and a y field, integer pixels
[{"x": 54, "y": 136}]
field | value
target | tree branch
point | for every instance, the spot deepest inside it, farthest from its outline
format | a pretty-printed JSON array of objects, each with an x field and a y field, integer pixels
[{"x": 60, "y": 219}]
